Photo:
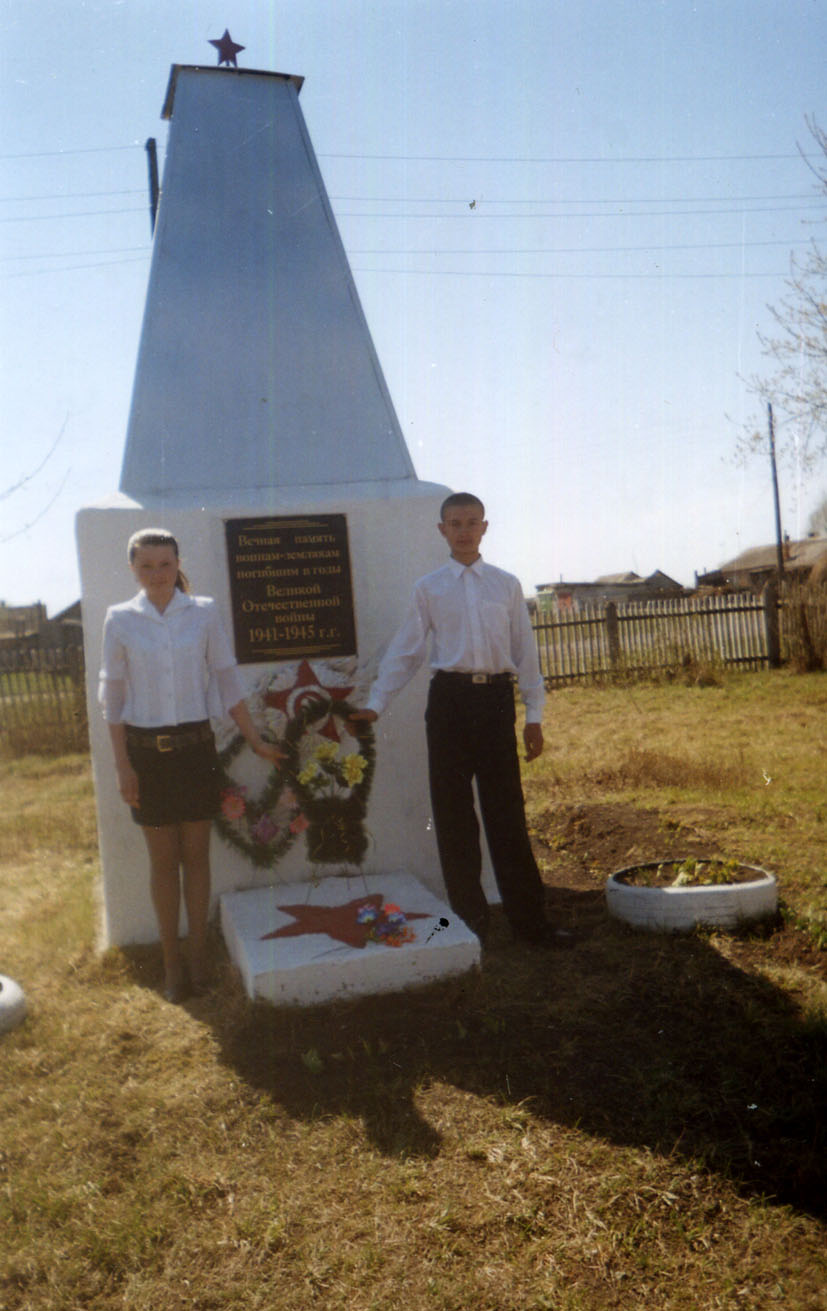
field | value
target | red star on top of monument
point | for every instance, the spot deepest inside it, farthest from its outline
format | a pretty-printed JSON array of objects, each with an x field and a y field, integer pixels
[
  {"x": 306, "y": 688},
  {"x": 227, "y": 49}
]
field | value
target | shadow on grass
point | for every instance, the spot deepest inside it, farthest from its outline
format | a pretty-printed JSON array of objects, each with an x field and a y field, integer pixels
[{"x": 644, "y": 1040}]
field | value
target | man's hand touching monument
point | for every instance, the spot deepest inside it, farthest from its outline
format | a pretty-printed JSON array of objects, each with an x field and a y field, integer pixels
[{"x": 363, "y": 716}]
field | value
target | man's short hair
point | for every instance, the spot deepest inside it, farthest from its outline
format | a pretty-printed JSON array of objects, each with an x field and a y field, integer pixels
[{"x": 460, "y": 498}]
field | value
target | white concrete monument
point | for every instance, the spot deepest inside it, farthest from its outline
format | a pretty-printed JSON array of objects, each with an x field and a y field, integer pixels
[{"x": 263, "y": 436}]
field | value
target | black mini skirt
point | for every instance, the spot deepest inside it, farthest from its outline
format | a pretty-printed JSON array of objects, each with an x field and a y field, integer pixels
[{"x": 178, "y": 773}]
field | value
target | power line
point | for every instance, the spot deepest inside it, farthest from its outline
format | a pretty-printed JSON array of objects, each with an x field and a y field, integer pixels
[
  {"x": 76, "y": 150},
  {"x": 78, "y": 254},
  {"x": 596, "y": 200},
  {"x": 584, "y": 250},
  {"x": 72, "y": 268},
  {"x": 81, "y": 213},
  {"x": 142, "y": 252},
  {"x": 70, "y": 195},
  {"x": 455, "y": 200},
  {"x": 476, "y": 216},
  {"x": 660, "y": 275},
  {"x": 464, "y": 250},
  {"x": 564, "y": 159},
  {"x": 459, "y": 159},
  {"x": 475, "y": 210},
  {"x": 629, "y": 277}
]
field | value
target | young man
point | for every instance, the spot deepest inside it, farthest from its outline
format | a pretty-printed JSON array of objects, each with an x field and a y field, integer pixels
[{"x": 476, "y": 622}]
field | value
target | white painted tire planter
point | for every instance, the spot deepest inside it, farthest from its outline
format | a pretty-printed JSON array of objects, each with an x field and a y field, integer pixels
[
  {"x": 721, "y": 905},
  {"x": 12, "y": 1004}
]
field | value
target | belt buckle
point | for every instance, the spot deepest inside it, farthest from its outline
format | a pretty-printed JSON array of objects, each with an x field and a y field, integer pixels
[
  {"x": 163, "y": 742},
  {"x": 479, "y": 678}
]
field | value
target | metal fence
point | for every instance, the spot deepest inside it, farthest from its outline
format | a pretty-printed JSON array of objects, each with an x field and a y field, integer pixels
[
  {"x": 634, "y": 637},
  {"x": 42, "y": 699}
]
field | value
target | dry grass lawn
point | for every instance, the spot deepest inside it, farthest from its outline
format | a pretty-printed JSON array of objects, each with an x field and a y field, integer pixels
[{"x": 636, "y": 1121}]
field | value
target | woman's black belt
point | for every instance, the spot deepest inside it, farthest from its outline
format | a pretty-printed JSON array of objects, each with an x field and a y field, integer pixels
[{"x": 175, "y": 737}]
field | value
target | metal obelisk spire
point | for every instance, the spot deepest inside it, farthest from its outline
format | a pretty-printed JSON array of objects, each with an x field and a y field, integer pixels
[{"x": 256, "y": 366}]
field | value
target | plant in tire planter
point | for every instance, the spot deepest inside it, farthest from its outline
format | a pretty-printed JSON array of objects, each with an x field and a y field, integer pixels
[{"x": 680, "y": 895}]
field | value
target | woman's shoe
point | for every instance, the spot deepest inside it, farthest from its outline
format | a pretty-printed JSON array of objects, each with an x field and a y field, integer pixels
[
  {"x": 176, "y": 990},
  {"x": 200, "y": 979}
]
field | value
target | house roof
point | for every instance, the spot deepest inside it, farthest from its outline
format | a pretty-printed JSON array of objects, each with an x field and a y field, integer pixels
[
  {"x": 660, "y": 579},
  {"x": 797, "y": 555},
  {"x": 656, "y": 581},
  {"x": 71, "y": 615}
]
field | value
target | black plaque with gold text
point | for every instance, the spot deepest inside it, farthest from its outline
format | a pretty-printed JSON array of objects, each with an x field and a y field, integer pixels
[{"x": 290, "y": 587}]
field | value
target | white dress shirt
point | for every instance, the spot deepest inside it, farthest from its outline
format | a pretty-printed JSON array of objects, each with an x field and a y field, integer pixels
[
  {"x": 170, "y": 667},
  {"x": 477, "y": 621}
]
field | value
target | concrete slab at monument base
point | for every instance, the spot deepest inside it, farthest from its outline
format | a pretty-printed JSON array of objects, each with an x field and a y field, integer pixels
[{"x": 308, "y": 943}]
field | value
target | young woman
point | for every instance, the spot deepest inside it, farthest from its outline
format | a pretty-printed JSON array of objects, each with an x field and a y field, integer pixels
[{"x": 167, "y": 667}]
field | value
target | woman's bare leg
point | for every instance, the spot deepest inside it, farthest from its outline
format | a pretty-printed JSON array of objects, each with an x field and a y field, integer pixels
[
  {"x": 164, "y": 846},
  {"x": 195, "y": 858}
]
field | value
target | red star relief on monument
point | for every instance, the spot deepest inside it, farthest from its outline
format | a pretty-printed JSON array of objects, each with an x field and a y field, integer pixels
[
  {"x": 227, "y": 49},
  {"x": 291, "y": 700},
  {"x": 338, "y": 922}
]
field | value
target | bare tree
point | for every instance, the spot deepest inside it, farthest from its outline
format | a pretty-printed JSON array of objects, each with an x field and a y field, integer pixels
[
  {"x": 796, "y": 381},
  {"x": 817, "y": 522},
  {"x": 29, "y": 477}
]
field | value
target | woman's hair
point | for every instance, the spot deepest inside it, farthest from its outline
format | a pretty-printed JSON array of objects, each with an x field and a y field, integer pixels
[{"x": 157, "y": 537}]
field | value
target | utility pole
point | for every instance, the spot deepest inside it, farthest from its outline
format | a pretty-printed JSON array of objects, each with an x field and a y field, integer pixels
[{"x": 779, "y": 544}]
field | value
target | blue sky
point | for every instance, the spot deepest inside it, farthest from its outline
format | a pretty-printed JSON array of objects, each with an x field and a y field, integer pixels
[{"x": 565, "y": 221}]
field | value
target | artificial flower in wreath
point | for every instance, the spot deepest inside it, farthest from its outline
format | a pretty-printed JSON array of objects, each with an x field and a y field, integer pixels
[{"x": 322, "y": 793}]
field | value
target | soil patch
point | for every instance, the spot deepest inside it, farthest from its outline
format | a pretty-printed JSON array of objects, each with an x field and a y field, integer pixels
[{"x": 580, "y": 844}]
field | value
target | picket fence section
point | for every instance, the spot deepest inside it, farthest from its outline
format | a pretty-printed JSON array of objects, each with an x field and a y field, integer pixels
[
  {"x": 42, "y": 697},
  {"x": 43, "y": 704},
  {"x": 597, "y": 641}
]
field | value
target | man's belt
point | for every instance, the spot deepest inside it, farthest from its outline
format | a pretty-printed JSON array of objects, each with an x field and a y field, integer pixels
[
  {"x": 174, "y": 738},
  {"x": 483, "y": 680}
]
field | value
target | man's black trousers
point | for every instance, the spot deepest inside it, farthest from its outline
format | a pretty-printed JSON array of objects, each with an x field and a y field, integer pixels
[{"x": 470, "y": 733}]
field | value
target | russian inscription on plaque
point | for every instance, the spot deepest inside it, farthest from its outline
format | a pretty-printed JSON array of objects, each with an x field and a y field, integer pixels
[{"x": 290, "y": 587}]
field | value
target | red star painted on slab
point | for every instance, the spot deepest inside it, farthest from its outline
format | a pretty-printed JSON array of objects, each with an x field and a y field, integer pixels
[
  {"x": 308, "y": 688},
  {"x": 227, "y": 49},
  {"x": 338, "y": 922}
]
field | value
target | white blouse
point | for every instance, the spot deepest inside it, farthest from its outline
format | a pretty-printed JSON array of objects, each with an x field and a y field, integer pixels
[{"x": 175, "y": 667}]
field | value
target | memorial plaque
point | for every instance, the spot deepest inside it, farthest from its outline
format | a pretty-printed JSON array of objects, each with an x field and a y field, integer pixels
[{"x": 290, "y": 587}]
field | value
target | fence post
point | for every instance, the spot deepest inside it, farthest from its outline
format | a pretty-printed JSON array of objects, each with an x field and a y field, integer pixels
[
  {"x": 772, "y": 632},
  {"x": 613, "y": 634}
]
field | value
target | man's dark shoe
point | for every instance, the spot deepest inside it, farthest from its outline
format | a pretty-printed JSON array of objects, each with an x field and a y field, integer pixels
[{"x": 544, "y": 935}]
